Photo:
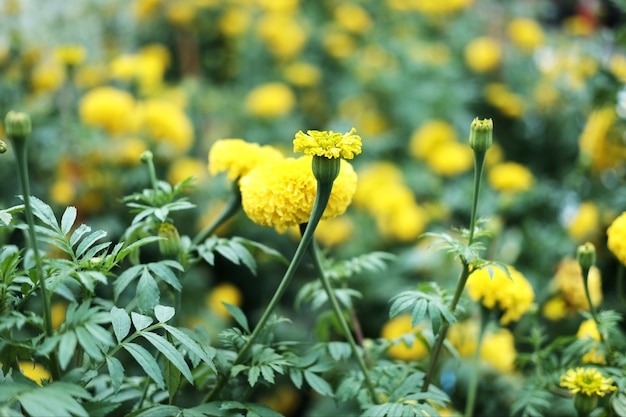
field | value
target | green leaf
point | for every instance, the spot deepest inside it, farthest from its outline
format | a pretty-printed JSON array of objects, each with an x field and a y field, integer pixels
[
  {"x": 100, "y": 408},
  {"x": 88, "y": 343},
  {"x": 170, "y": 353},
  {"x": 419, "y": 310},
  {"x": 43, "y": 212},
  {"x": 339, "y": 350},
  {"x": 191, "y": 345},
  {"x": 253, "y": 375},
  {"x": 147, "y": 362},
  {"x": 121, "y": 323},
  {"x": 67, "y": 348},
  {"x": 88, "y": 241},
  {"x": 238, "y": 315},
  {"x": 157, "y": 411},
  {"x": 148, "y": 294},
  {"x": 172, "y": 376},
  {"x": 101, "y": 335},
  {"x": 166, "y": 274},
  {"x": 164, "y": 313},
  {"x": 140, "y": 321},
  {"x": 79, "y": 233},
  {"x": 68, "y": 219},
  {"x": 318, "y": 383},
  {"x": 125, "y": 278},
  {"x": 116, "y": 372},
  {"x": 57, "y": 399}
]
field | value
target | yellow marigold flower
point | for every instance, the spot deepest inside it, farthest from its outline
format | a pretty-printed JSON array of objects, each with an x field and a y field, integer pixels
[
  {"x": 127, "y": 151},
  {"x": 186, "y": 167},
  {"x": 407, "y": 346},
  {"x": 238, "y": 157},
  {"x": 463, "y": 336},
  {"x": 525, "y": 33},
  {"x": 555, "y": 308},
  {"x": 585, "y": 223},
  {"x": 483, "y": 54},
  {"x": 89, "y": 76},
  {"x": 513, "y": 296},
  {"x": 284, "y": 36},
  {"x": 509, "y": 103},
  {"x": 270, "y": 100},
  {"x": 145, "y": 9},
  {"x": 430, "y": 135},
  {"x": 589, "y": 330},
  {"x": 35, "y": 372},
  {"x": 450, "y": 159},
  {"x": 47, "y": 76},
  {"x": 617, "y": 65},
  {"x": 616, "y": 233},
  {"x": 498, "y": 350},
  {"x": 404, "y": 222},
  {"x": 58, "y": 311},
  {"x": 180, "y": 13},
  {"x": 109, "y": 108},
  {"x": 284, "y": 399},
  {"x": 352, "y": 18},
  {"x": 168, "y": 125},
  {"x": 600, "y": 143},
  {"x": 63, "y": 192},
  {"x": 328, "y": 143},
  {"x": 510, "y": 177},
  {"x": 71, "y": 54},
  {"x": 338, "y": 43},
  {"x": 281, "y": 194},
  {"x": 568, "y": 282},
  {"x": 224, "y": 292},
  {"x": 334, "y": 231},
  {"x": 430, "y": 7},
  {"x": 303, "y": 74},
  {"x": 587, "y": 381},
  {"x": 235, "y": 21},
  {"x": 285, "y": 6}
]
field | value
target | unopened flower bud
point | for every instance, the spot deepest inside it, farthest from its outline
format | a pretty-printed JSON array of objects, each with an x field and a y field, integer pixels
[
  {"x": 170, "y": 244},
  {"x": 586, "y": 255},
  {"x": 17, "y": 125},
  {"x": 481, "y": 134},
  {"x": 585, "y": 404},
  {"x": 3, "y": 147},
  {"x": 146, "y": 156},
  {"x": 326, "y": 169}
]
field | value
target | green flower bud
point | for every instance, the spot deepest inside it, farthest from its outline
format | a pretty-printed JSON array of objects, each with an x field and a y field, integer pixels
[
  {"x": 170, "y": 244},
  {"x": 586, "y": 255},
  {"x": 17, "y": 125},
  {"x": 585, "y": 404},
  {"x": 481, "y": 134},
  {"x": 326, "y": 169},
  {"x": 3, "y": 147},
  {"x": 146, "y": 156}
]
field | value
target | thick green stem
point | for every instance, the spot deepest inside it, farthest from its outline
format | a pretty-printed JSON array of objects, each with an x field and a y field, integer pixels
[
  {"x": 321, "y": 200},
  {"x": 22, "y": 165},
  {"x": 592, "y": 308},
  {"x": 232, "y": 207},
  {"x": 473, "y": 382},
  {"x": 315, "y": 254}
]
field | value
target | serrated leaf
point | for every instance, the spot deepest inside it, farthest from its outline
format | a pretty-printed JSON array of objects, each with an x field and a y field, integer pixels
[
  {"x": 88, "y": 241},
  {"x": 166, "y": 274},
  {"x": 98, "y": 333},
  {"x": 43, "y": 212},
  {"x": 88, "y": 343},
  {"x": 100, "y": 408},
  {"x": 79, "y": 233},
  {"x": 227, "y": 252},
  {"x": 191, "y": 345},
  {"x": 147, "y": 362},
  {"x": 318, "y": 383},
  {"x": 244, "y": 255},
  {"x": 68, "y": 219},
  {"x": 140, "y": 321},
  {"x": 296, "y": 377},
  {"x": 435, "y": 317},
  {"x": 116, "y": 372},
  {"x": 67, "y": 348},
  {"x": 419, "y": 310},
  {"x": 148, "y": 294},
  {"x": 124, "y": 279},
  {"x": 268, "y": 373},
  {"x": 121, "y": 323},
  {"x": 164, "y": 313},
  {"x": 170, "y": 352},
  {"x": 253, "y": 375},
  {"x": 238, "y": 315},
  {"x": 339, "y": 350}
]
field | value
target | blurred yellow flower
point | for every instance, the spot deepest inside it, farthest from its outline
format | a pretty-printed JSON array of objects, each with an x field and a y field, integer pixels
[
  {"x": 498, "y": 350},
  {"x": 168, "y": 125},
  {"x": 284, "y": 36},
  {"x": 617, "y": 65},
  {"x": 57, "y": 312},
  {"x": 238, "y": 157},
  {"x": 334, "y": 231},
  {"x": 223, "y": 292},
  {"x": 406, "y": 345},
  {"x": 328, "y": 144},
  {"x": 180, "y": 13},
  {"x": 145, "y": 9},
  {"x": 589, "y": 330},
  {"x": 585, "y": 223},
  {"x": 430, "y": 7},
  {"x": 509, "y": 103},
  {"x": 71, "y": 54},
  {"x": 463, "y": 336},
  {"x": 352, "y": 17},
  {"x": 284, "y": 399},
  {"x": 35, "y": 372},
  {"x": 235, "y": 21},
  {"x": 510, "y": 177},
  {"x": 568, "y": 283},
  {"x": 63, "y": 192},
  {"x": 47, "y": 76},
  {"x": 450, "y": 159},
  {"x": 109, "y": 108},
  {"x": 185, "y": 167},
  {"x": 402, "y": 218},
  {"x": 525, "y": 33},
  {"x": 270, "y": 100},
  {"x": 147, "y": 67},
  {"x": 587, "y": 381},
  {"x": 483, "y": 54},
  {"x": 616, "y": 234},
  {"x": 281, "y": 194},
  {"x": 338, "y": 43},
  {"x": 90, "y": 75},
  {"x": 286, "y": 6},
  {"x": 127, "y": 151},
  {"x": 513, "y": 296},
  {"x": 555, "y": 308},
  {"x": 430, "y": 135},
  {"x": 303, "y": 74},
  {"x": 600, "y": 144}
]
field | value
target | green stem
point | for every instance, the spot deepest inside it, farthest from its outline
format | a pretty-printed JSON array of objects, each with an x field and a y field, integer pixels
[
  {"x": 479, "y": 162},
  {"x": 22, "y": 165},
  {"x": 315, "y": 254},
  {"x": 232, "y": 207},
  {"x": 321, "y": 200},
  {"x": 592, "y": 308},
  {"x": 153, "y": 176},
  {"x": 473, "y": 382},
  {"x": 620, "y": 285}
]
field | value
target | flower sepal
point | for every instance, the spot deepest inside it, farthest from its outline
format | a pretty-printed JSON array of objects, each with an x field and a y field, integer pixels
[{"x": 326, "y": 169}]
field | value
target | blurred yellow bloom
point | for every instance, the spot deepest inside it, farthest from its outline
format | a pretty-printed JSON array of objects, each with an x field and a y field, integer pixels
[
  {"x": 430, "y": 7},
  {"x": 617, "y": 237},
  {"x": 35, "y": 372},
  {"x": 353, "y": 18},
  {"x": 109, "y": 108},
  {"x": 555, "y": 308},
  {"x": 303, "y": 74},
  {"x": 168, "y": 125},
  {"x": 578, "y": 25},
  {"x": 63, "y": 192},
  {"x": 509, "y": 103},
  {"x": 235, "y": 21},
  {"x": 510, "y": 177},
  {"x": 451, "y": 159},
  {"x": 463, "y": 336},
  {"x": 401, "y": 221},
  {"x": 546, "y": 94},
  {"x": 58, "y": 310},
  {"x": 568, "y": 283},
  {"x": 47, "y": 76},
  {"x": 145, "y": 9},
  {"x": 498, "y": 350},
  {"x": 585, "y": 223},
  {"x": 285, "y": 6},
  {"x": 185, "y": 167},
  {"x": 589, "y": 330},
  {"x": 328, "y": 144},
  {"x": 600, "y": 143},
  {"x": 147, "y": 67},
  {"x": 334, "y": 231},
  {"x": 525, "y": 33},
  {"x": 281, "y": 194},
  {"x": 127, "y": 151},
  {"x": 483, "y": 54},
  {"x": 430, "y": 135},
  {"x": 338, "y": 43},
  {"x": 284, "y": 36},
  {"x": 587, "y": 381},
  {"x": 90, "y": 76},
  {"x": 617, "y": 65},
  {"x": 270, "y": 100},
  {"x": 223, "y": 292},
  {"x": 71, "y": 54},
  {"x": 238, "y": 157},
  {"x": 406, "y": 345},
  {"x": 180, "y": 13},
  {"x": 284, "y": 399},
  {"x": 513, "y": 296}
]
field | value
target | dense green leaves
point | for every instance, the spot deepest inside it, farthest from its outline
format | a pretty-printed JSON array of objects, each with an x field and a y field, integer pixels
[{"x": 429, "y": 300}]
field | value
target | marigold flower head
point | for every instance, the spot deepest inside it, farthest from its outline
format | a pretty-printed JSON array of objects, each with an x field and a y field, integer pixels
[
  {"x": 35, "y": 372},
  {"x": 429, "y": 136},
  {"x": 407, "y": 346},
  {"x": 450, "y": 159},
  {"x": 270, "y": 100},
  {"x": 587, "y": 381},
  {"x": 109, "y": 108},
  {"x": 283, "y": 34},
  {"x": 223, "y": 292},
  {"x": 168, "y": 125},
  {"x": 526, "y": 33},
  {"x": 281, "y": 193},
  {"x": 71, "y": 54},
  {"x": 513, "y": 295},
  {"x": 352, "y": 18},
  {"x": 498, "y": 350},
  {"x": 588, "y": 329},
  {"x": 596, "y": 143},
  {"x": 510, "y": 177},
  {"x": 328, "y": 143},
  {"x": 616, "y": 233},
  {"x": 483, "y": 54},
  {"x": 238, "y": 157},
  {"x": 568, "y": 282},
  {"x": 585, "y": 223}
]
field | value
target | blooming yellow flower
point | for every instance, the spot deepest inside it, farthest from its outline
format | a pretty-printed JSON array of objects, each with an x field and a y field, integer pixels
[
  {"x": 510, "y": 177},
  {"x": 509, "y": 103},
  {"x": 616, "y": 233},
  {"x": 568, "y": 283},
  {"x": 334, "y": 231},
  {"x": 555, "y": 308},
  {"x": 180, "y": 13},
  {"x": 450, "y": 159},
  {"x": 237, "y": 157},
  {"x": 185, "y": 167},
  {"x": 483, "y": 54},
  {"x": 71, "y": 54},
  {"x": 284, "y": 36},
  {"x": 585, "y": 223},
  {"x": 463, "y": 336},
  {"x": 270, "y": 100},
  {"x": 48, "y": 75},
  {"x": 587, "y": 381},
  {"x": 498, "y": 350},
  {"x": 281, "y": 194},
  {"x": 328, "y": 143},
  {"x": 338, "y": 43},
  {"x": 223, "y": 292},
  {"x": 35, "y": 372},
  {"x": 429, "y": 135},
  {"x": 145, "y": 9},
  {"x": 525, "y": 33},
  {"x": 407, "y": 346},
  {"x": 109, "y": 108},
  {"x": 303, "y": 74},
  {"x": 589, "y": 330},
  {"x": 352, "y": 18},
  {"x": 63, "y": 191},
  {"x": 57, "y": 312},
  {"x": 168, "y": 125},
  {"x": 513, "y": 296},
  {"x": 596, "y": 142},
  {"x": 235, "y": 21}
]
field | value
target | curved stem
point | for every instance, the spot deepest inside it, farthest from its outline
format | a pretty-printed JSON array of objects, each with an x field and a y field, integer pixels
[
  {"x": 321, "y": 200},
  {"x": 473, "y": 382},
  {"x": 315, "y": 253},
  {"x": 232, "y": 207},
  {"x": 22, "y": 165},
  {"x": 592, "y": 308}
]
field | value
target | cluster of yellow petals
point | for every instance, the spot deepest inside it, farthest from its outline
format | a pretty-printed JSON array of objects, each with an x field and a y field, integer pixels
[
  {"x": 510, "y": 177},
  {"x": 237, "y": 157},
  {"x": 512, "y": 295},
  {"x": 406, "y": 345},
  {"x": 569, "y": 285},
  {"x": 224, "y": 292},
  {"x": 617, "y": 237},
  {"x": 587, "y": 381},
  {"x": 328, "y": 144},
  {"x": 588, "y": 329}
]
